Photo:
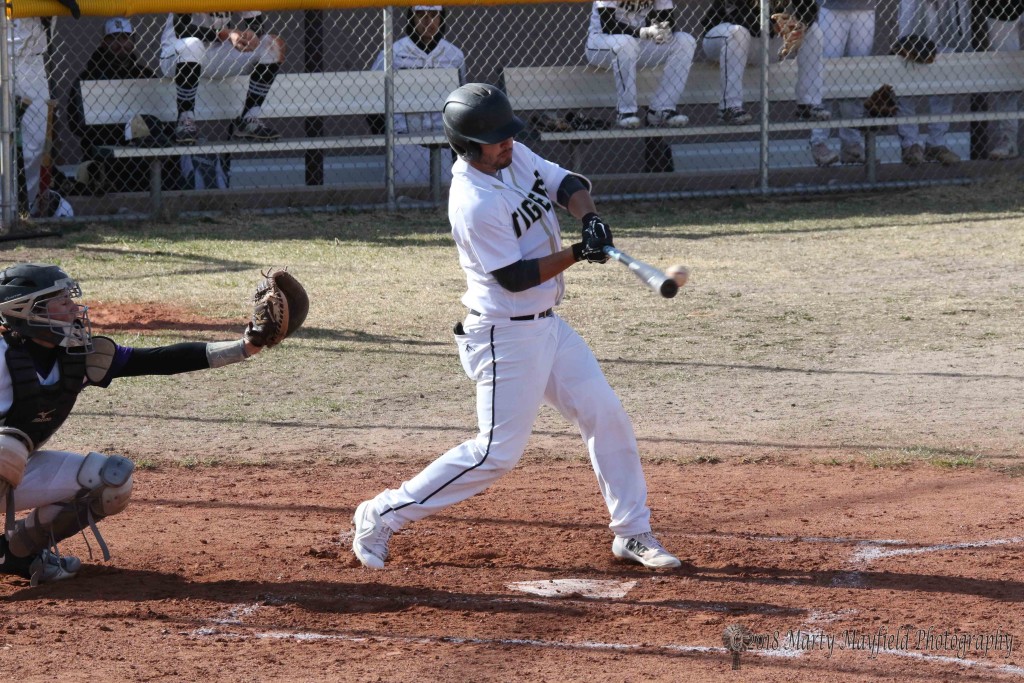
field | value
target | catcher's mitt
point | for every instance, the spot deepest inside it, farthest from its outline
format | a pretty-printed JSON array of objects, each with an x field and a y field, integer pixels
[
  {"x": 279, "y": 308},
  {"x": 916, "y": 48},
  {"x": 791, "y": 31},
  {"x": 881, "y": 103}
]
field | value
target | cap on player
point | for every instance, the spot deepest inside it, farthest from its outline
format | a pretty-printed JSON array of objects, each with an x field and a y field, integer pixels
[{"x": 117, "y": 25}]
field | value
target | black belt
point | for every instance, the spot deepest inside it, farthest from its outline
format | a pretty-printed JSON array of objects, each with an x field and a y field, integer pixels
[{"x": 543, "y": 314}]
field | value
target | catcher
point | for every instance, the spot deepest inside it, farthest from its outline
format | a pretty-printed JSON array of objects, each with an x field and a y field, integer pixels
[{"x": 48, "y": 356}]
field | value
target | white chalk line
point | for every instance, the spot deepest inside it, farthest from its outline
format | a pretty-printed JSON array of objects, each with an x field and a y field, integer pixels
[
  {"x": 791, "y": 653},
  {"x": 869, "y": 551}
]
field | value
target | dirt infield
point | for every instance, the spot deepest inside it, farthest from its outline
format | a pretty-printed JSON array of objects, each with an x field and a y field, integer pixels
[
  {"x": 829, "y": 416},
  {"x": 240, "y": 574}
]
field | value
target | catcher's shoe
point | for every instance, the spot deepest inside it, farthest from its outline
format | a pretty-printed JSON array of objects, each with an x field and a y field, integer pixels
[
  {"x": 813, "y": 112},
  {"x": 44, "y": 567},
  {"x": 668, "y": 117},
  {"x": 913, "y": 155},
  {"x": 252, "y": 128},
  {"x": 646, "y": 550},
  {"x": 371, "y": 538},
  {"x": 942, "y": 154},
  {"x": 823, "y": 155},
  {"x": 628, "y": 119}
]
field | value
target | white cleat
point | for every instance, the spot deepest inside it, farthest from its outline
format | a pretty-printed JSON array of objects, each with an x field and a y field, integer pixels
[
  {"x": 371, "y": 538},
  {"x": 646, "y": 550}
]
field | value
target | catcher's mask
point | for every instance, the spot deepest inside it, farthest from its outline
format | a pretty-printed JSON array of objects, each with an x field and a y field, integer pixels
[
  {"x": 37, "y": 302},
  {"x": 476, "y": 114}
]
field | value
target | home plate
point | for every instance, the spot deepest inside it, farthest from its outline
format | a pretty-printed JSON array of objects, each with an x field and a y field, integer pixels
[{"x": 574, "y": 588}]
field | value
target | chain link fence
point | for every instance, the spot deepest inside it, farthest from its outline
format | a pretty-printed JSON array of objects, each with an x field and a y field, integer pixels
[{"x": 340, "y": 108}]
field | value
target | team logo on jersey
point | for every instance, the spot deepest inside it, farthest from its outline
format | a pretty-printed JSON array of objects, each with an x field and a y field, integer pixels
[
  {"x": 533, "y": 206},
  {"x": 45, "y": 416}
]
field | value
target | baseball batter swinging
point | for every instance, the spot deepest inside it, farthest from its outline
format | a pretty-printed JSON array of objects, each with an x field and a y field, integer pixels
[{"x": 511, "y": 343}]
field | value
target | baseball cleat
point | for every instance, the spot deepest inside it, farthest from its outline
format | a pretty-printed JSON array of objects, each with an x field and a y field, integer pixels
[
  {"x": 646, "y": 550},
  {"x": 48, "y": 567},
  {"x": 628, "y": 119},
  {"x": 252, "y": 128},
  {"x": 371, "y": 538}
]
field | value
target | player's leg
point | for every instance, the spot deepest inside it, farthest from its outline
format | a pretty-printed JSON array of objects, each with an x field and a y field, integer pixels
[
  {"x": 1004, "y": 36},
  {"x": 911, "y": 148},
  {"x": 579, "y": 391},
  {"x": 810, "y": 86},
  {"x": 620, "y": 54},
  {"x": 182, "y": 59},
  {"x": 66, "y": 492},
  {"x": 510, "y": 364},
  {"x": 32, "y": 85},
  {"x": 677, "y": 56},
  {"x": 267, "y": 62},
  {"x": 859, "y": 30},
  {"x": 935, "y": 148},
  {"x": 729, "y": 45}
]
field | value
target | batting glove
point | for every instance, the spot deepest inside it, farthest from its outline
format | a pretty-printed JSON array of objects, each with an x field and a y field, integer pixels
[{"x": 596, "y": 236}]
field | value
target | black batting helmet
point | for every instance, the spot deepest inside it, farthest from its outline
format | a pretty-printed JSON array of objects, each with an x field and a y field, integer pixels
[
  {"x": 25, "y": 292},
  {"x": 476, "y": 114}
]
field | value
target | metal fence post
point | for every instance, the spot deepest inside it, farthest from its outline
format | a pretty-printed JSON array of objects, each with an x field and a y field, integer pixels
[
  {"x": 389, "y": 107},
  {"x": 764, "y": 46},
  {"x": 8, "y": 172}
]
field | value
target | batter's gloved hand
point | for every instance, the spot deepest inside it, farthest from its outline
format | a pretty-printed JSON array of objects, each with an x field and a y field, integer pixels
[
  {"x": 596, "y": 236},
  {"x": 279, "y": 308}
]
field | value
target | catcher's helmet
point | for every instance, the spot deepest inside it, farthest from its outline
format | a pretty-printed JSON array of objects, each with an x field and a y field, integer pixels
[
  {"x": 29, "y": 306},
  {"x": 475, "y": 114}
]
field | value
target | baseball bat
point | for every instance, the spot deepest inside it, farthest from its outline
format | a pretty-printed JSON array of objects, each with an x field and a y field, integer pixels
[{"x": 648, "y": 274}]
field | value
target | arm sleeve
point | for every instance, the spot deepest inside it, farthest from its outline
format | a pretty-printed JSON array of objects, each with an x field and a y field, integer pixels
[
  {"x": 519, "y": 276},
  {"x": 569, "y": 186},
  {"x": 184, "y": 28},
  {"x": 609, "y": 24},
  {"x": 160, "y": 360}
]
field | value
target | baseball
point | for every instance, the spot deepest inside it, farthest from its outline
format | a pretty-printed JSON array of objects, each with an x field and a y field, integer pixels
[{"x": 678, "y": 273}]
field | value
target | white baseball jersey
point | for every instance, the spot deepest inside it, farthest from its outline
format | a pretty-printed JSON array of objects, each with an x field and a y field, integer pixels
[
  {"x": 408, "y": 55},
  {"x": 498, "y": 221},
  {"x": 633, "y": 12},
  {"x": 28, "y": 38}
]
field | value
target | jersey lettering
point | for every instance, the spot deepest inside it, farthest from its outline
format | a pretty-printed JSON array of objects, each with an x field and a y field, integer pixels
[{"x": 532, "y": 208}]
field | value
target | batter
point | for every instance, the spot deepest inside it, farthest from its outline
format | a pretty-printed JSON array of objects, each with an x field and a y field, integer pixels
[{"x": 511, "y": 343}]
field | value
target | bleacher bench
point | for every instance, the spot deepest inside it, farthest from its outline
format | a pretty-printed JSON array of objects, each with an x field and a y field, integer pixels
[
  {"x": 294, "y": 95},
  {"x": 584, "y": 87}
]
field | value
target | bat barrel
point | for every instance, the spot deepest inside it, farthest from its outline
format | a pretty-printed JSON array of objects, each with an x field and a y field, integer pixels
[{"x": 648, "y": 274}]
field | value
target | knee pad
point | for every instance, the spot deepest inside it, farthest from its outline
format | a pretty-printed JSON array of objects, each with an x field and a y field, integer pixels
[
  {"x": 189, "y": 50},
  {"x": 108, "y": 482}
]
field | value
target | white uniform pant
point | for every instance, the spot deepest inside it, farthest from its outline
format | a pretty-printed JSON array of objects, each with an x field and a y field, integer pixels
[
  {"x": 730, "y": 46},
  {"x": 1004, "y": 36},
  {"x": 909, "y": 132},
  {"x": 517, "y": 366},
  {"x": 810, "y": 68},
  {"x": 845, "y": 34},
  {"x": 51, "y": 478},
  {"x": 30, "y": 83},
  {"x": 625, "y": 54},
  {"x": 218, "y": 60}
]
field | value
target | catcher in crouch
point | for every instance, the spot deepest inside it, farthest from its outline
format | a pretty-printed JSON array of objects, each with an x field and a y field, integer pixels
[{"x": 47, "y": 356}]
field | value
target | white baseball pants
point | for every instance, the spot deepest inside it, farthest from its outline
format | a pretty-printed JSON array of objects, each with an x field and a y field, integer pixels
[
  {"x": 910, "y": 132},
  {"x": 30, "y": 82},
  {"x": 517, "y": 366},
  {"x": 730, "y": 46},
  {"x": 51, "y": 478},
  {"x": 845, "y": 34},
  {"x": 218, "y": 60},
  {"x": 625, "y": 54}
]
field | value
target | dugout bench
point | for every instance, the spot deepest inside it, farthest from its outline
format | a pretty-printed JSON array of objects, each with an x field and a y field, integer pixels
[
  {"x": 293, "y": 95},
  {"x": 548, "y": 88}
]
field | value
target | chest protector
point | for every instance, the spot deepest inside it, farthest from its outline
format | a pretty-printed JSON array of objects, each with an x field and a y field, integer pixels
[{"x": 39, "y": 410}]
